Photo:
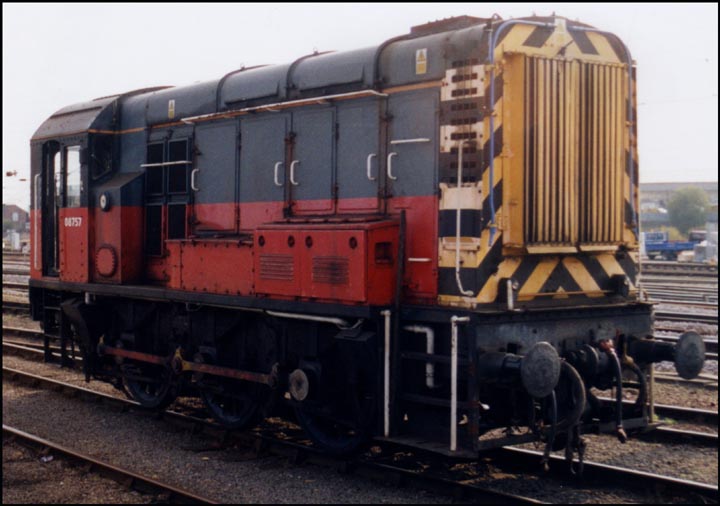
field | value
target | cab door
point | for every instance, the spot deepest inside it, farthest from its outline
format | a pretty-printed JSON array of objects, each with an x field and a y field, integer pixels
[
  {"x": 263, "y": 168},
  {"x": 50, "y": 201},
  {"x": 213, "y": 180},
  {"x": 359, "y": 158},
  {"x": 73, "y": 218},
  {"x": 64, "y": 208},
  {"x": 311, "y": 174}
]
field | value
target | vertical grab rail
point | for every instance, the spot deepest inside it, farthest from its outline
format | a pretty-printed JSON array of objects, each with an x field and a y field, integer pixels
[
  {"x": 386, "y": 386},
  {"x": 369, "y": 166},
  {"x": 193, "y": 173},
  {"x": 389, "y": 166},
  {"x": 36, "y": 246},
  {"x": 275, "y": 176},
  {"x": 469, "y": 293},
  {"x": 453, "y": 378},
  {"x": 292, "y": 172}
]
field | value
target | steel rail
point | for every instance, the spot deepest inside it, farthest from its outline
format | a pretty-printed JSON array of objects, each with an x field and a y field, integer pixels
[
  {"x": 698, "y": 382},
  {"x": 16, "y": 307},
  {"x": 36, "y": 352},
  {"x": 18, "y": 272},
  {"x": 22, "y": 332},
  {"x": 169, "y": 493},
  {"x": 671, "y": 435},
  {"x": 675, "y": 412},
  {"x": 686, "y": 317},
  {"x": 603, "y": 473},
  {"x": 15, "y": 286}
]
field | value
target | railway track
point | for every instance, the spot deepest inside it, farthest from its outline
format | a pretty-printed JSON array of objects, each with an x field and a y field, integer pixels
[
  {"x": 679, "y": 268},
  {"x": 13, "y": 307},
  {"x": 23, "y": 287},
  {"x": 675, "y": 316},
  {"x": 262, "y": 442},
  {"x": 390, "y": 467},
  {"x": 165, "y": 493},
  {"x": 669, "y": 435},
  {"x": 707, "y": 382},
  {"x": 16, "y": 271}
]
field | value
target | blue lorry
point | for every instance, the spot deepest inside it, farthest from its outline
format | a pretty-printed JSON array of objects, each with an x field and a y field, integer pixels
[{"x": 656, "y": 245}]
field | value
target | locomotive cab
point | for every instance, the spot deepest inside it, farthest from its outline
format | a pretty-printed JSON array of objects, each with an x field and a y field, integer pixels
[{"x": 60, "y": 222}]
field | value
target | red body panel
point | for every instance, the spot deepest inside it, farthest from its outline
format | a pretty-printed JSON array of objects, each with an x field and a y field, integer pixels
[
  {"x": 332, "y": 261},
  {"x": 276, "y": 264},
  {"x": 212, "y": 266},
  {"x": 214, "y": 217},
  {"x": 254, "y": 214},
  {"x": 120, "y": 228},
  {"x": 35, "y": 244},
  {"x": 73, "y": 231},
  {"x": 421, "y": 246}
]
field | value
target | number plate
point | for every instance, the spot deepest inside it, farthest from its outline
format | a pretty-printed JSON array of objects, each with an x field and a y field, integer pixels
[{"x": 73, "y": 221}]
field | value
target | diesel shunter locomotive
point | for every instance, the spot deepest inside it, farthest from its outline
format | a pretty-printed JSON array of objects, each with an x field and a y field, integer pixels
[{"x": 431, "y": 241}]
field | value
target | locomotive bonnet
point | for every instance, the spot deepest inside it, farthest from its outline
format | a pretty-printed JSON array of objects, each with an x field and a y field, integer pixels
[{"x": 431, "y": 241}]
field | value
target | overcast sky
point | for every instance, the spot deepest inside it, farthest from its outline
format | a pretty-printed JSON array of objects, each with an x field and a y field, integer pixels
[{"x": 59, "y": 54}]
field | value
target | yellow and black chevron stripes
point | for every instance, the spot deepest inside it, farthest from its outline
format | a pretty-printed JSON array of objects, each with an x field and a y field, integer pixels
[
  {"x": 631, "y": 182},
  {"x": 560, "y": 42},
  {"x": 462, "y": 127},
  {"x": 561, "y": 181},
  {"x": 541, "y": 277}
]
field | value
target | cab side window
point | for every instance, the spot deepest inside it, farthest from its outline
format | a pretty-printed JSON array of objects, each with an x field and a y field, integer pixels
[{"x": 73, "y": 180}]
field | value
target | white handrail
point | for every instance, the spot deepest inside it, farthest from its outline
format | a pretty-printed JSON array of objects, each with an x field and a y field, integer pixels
[
  {"x": 163, "y": 164},
  {"x": 36, "y": 246},
  {"x": 386, "y": 391},
  {"x": 453, "y": 378},
  {"x": 469, "y": 293},
  {"x": 192, "y": 179},
  {"x": 369, "y": 166},
  {"x": 389, "y": 166},
  {"x": 292, "y": 172},
  {"x": 275, "y": 177},
  {"x": 410, "y": 141}
]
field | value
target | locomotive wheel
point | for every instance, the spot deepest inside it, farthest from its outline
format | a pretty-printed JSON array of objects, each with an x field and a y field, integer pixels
[
  {"x": 149, "y": 384},
  {"x": 339, "y": 419},
  {"x": 234, "y": 403}
]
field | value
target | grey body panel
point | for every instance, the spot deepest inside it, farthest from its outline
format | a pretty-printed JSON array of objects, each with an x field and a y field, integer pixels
[
  {"x": 314, "y": 151},
  {"x": 77, "y": 118},
  {"x": 190, "y": 100},
  {"x": 263, "y": 145},
  {"x": 414, "y": 116},
  {"x": 335, "y": 68},
  {"x": 358, "y": 137},
  {"x": 253, "y": 84},
  {"x": 216, "y": 176},
  {"x": 397, "y": 62}
]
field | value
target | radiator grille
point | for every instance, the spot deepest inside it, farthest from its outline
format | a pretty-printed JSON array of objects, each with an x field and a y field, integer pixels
[
  {"x": 333, "y": 270},
  {"x": 278, "y": 267},
  {"x": 575, "y": 137}
]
